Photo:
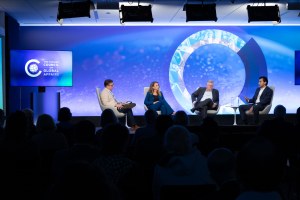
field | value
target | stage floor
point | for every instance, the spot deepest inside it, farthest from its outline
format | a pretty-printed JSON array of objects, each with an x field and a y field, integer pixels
[{"x": 222, "y": 120}]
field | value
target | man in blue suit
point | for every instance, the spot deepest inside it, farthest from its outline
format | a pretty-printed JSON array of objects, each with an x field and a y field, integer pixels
[
  {"x": 262, "y": 97},
  {"x": 205, "y": 98}
]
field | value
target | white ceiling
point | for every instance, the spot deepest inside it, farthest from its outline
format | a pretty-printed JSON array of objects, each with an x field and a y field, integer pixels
[{"x": 165, "y": 12}]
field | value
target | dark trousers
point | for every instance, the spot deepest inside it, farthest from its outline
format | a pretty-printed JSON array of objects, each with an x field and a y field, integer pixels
[
  {"x": 203, "y": 106},
  {"x": 163, "y": 106},
  {"x": 130, "y": 118},
  {"x": 256, "y": 109}
]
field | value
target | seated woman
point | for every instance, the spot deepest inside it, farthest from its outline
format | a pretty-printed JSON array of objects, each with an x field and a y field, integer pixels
[{"x": 155, "y": 100}]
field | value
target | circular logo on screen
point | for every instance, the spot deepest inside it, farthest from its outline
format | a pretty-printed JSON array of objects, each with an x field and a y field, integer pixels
[
  {"x": 207, "y": 54},
  {"x": 32, "y": 68},
  {"x": 218, "y": 55}
]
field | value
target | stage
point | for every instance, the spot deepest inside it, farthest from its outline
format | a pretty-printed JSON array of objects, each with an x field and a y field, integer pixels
[{"x": 222, "y": 120}]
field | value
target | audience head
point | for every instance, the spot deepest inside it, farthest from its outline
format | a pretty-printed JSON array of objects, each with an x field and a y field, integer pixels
[
  {"x": 2, "y": 117},
  {"x": 209, "y": 136},
  {"x": 114, "y": 139},
  {"x": 150, "y": 116},
  {"x": 181, "y": 118},
  {"x": 177, "y": 140},
  {"x": 45, "y": 123},
  {"x": 16, "y": 126},
  {"x": 210, "y": 126},
  {"x": 260, "y": 165},
  {"x": 279, "y": 111},
  {"x": 108, "y": 117},
  {"x": 84, "y": 132},
  {"x": 221, "y": 165},
  {"x": 263, "y": 81},
  {"x": 64, "y": 114},
  {"x": 29, "y": 115},
  {"x": 298, "y": 115},
  {"x": 163, "y": 122}
]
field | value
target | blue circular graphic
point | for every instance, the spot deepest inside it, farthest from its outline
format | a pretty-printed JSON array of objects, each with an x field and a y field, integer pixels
[
  {"x": 208, "y": 54},
  {"x": 32, "y": 69}
]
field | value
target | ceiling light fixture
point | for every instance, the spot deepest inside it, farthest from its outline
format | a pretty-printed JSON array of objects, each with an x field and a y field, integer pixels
[
  {"x": 137, "y": 13},
  {"x": 200, "y": 12},
  {"x": 263, "y": 13},
  {"x": 74, "y": 9}
]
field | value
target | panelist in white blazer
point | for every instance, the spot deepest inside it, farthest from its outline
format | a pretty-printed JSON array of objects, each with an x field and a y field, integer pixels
[{"x": 108, "y": 100}]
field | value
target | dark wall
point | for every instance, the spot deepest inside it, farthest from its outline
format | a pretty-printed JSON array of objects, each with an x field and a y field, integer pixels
[{"x": 16, "y": 98}]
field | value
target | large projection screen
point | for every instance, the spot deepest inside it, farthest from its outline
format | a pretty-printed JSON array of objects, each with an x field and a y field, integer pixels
[{"x": 180, "y": 58}]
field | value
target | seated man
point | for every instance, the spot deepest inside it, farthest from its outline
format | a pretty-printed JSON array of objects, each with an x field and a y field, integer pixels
[
  {"x": 108, "y": 99},
  {"x": 260, "y": 100},
  {"x": 205, "y": 99}
]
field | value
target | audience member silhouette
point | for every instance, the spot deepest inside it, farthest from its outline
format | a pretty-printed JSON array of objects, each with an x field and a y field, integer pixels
[
  {"x": 20, "y": 161},
  {"x": 16, "y": 126},
  {"x": 260, "y": 167},
  {"x": 298, "y": 119},
  {"x": 2, "y": 118},
  {"x": 294, "y": 160},
  {"x": 150, "y": 117},
  {"x": 296, "y": 141},
  {"x": 2, "y": 122},
  {"x": 222, "y": 168},
  {"x": 209, "y": 136},
  {"x": 31, "y": 128},
  {"x": 107, "y": 117},
  {"x": 181, "y": 118},
  {"x": 64, "y": 125},
  {"x": 47, "y": 138},
  {"x": 81, "y": 180},
  {"x": 182, "y": 164},
  {"x": 279, "y": 131},
  {"x": 49, "y": 141},
  {"x": 149, "y": 149},
  {"x": 122, "y": 171},
  {"x": 83, "y": 149}
]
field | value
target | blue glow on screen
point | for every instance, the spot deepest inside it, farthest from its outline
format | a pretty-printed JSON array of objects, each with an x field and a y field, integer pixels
[
  {"x": 40, "y": 68},
  {"x": 179, "y": 58}
]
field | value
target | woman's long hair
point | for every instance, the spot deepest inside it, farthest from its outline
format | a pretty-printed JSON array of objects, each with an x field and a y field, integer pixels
[{"x": 151, "y": 88}]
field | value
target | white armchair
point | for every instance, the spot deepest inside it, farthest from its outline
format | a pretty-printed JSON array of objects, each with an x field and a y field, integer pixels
[
  {"x": 210, "y": 112},
  {"x": 267, "y": 109},
  {"x": 114, "y": 109}
]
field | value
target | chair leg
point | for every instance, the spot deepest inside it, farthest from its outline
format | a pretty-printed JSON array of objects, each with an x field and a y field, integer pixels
[{"x": 126, "y": 121}]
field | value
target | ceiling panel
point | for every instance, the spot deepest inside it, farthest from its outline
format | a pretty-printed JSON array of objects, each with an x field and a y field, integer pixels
[{"x": 165, "y": 12}]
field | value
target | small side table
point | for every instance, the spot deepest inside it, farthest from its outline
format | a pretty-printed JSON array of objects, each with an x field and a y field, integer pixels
[{"x": 234, "y": 108}]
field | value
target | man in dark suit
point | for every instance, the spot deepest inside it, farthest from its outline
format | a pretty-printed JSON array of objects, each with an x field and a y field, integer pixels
[
  {"x": 262, "y": 97},
  {"x": 204, "y": 99}
]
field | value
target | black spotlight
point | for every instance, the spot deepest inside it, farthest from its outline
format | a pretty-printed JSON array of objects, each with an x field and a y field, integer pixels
[
  {"x": 200, "y": 12},
  {"x": 136, "y": 13},
  {"x": 74, "y": 9},
  {"x": 263, "y": 13}
]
